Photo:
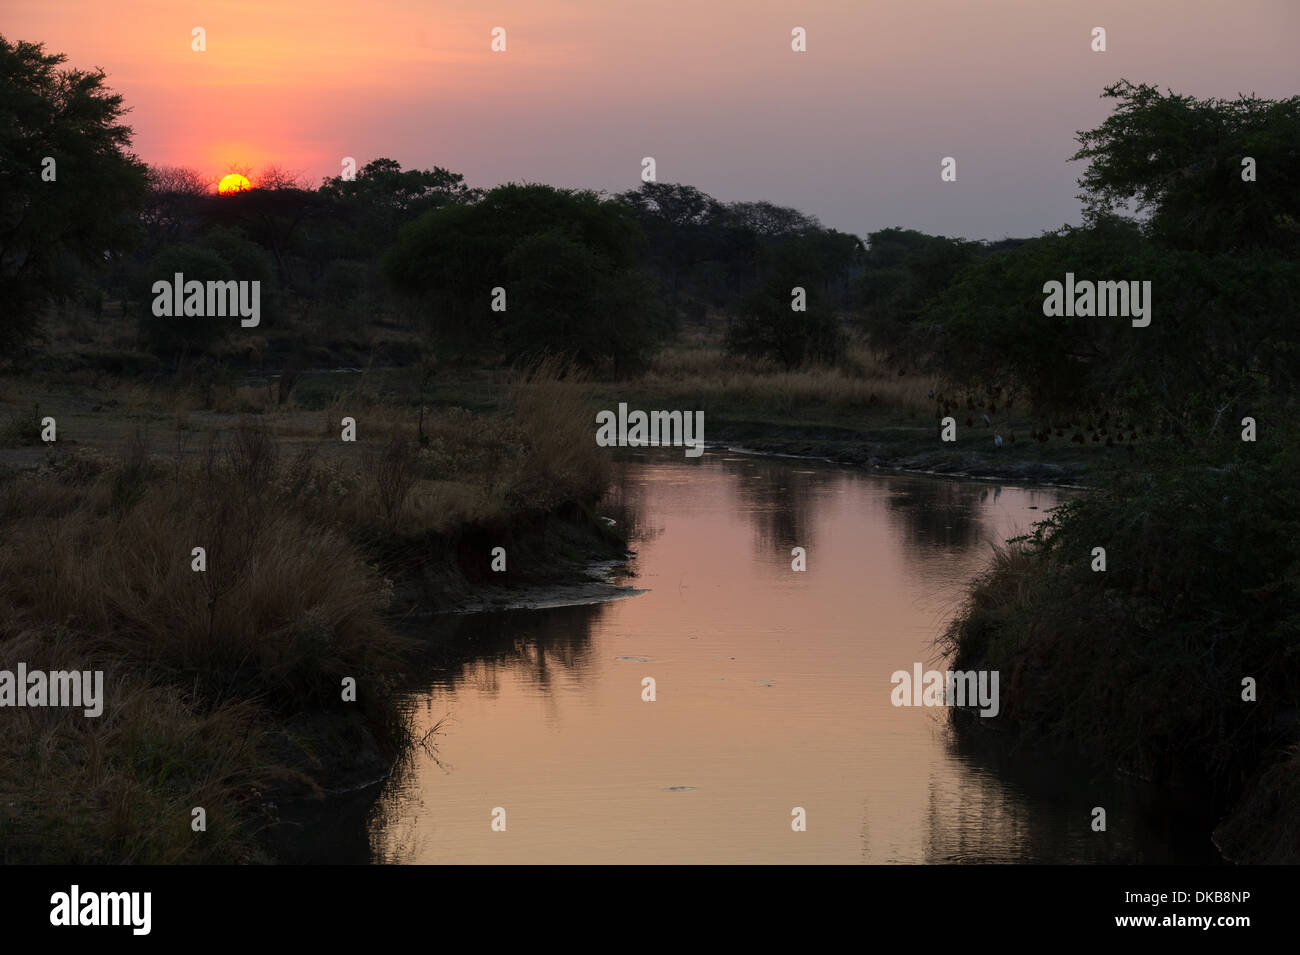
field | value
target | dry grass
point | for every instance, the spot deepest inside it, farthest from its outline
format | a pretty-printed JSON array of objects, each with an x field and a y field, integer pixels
[
  {"x": 203, "y": 669},
  {"x": 96, "y": 573},
  {"x": 121, "y": 788},
  {"x": 394, "y": 469},
  {"x": 244, "y": 399},
  {"x": 990, "y": 624},
  {"x": 861, "y": 380},
  {"x": 1264, "y": 827},
  {"x": 551, "y": 406},
  {"x": 273, "y": 581}
]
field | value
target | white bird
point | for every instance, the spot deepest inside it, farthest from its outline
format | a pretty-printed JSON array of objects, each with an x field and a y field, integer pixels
[
  {"x": 997, "y": 440},
  {"x": 987, "y": 422}
]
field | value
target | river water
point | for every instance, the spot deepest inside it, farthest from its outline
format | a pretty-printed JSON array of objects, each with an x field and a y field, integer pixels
[{"x": 772, "y": 693}]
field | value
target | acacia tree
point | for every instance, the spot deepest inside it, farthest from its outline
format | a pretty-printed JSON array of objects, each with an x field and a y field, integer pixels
[
  {"x": 390, "y": 196},
  {"x": 81, "y": 206},
  {"x": 171, "y": 205},
  {"x": 1180, "y": 160},
  {"x": 678, "y": 222}
]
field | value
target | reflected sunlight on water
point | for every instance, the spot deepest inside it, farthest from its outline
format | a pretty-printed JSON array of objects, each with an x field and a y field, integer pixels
[{"x": 773, "y": 692}]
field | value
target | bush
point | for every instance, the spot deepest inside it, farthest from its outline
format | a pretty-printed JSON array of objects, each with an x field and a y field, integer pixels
[
  {"x": 768, "y": 327},
  {"x": 394, "y": 470},
  {"x": 1142, "y": 665},
  {"x": 172, "y": 335}
]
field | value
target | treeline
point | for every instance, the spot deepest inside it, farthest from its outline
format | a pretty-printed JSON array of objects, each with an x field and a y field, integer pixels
[
  {"x": 511, "y": 271},
  {"x": 605, "y": 279}
]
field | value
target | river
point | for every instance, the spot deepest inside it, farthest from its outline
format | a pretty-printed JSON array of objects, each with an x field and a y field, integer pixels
[{"x": 772, "y": 693}]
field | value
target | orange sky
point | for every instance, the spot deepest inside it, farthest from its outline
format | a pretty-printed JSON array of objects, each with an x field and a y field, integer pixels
[{"x": 852, "y": 131}]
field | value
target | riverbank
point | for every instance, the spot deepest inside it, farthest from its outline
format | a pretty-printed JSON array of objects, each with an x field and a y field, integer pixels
[
  {"x": 240, "y": 581},
  {"x": 864, "y": 411},
  {"x": 1170, "y": 654}
]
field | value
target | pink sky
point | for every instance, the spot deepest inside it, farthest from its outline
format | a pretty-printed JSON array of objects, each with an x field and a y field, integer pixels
[{"x": 852, "y": 131}]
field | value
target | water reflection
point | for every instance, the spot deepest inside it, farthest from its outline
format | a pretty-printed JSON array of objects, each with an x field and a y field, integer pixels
[
  {"x": 778, "y": 502},
  {"x": 772, "y": 692},
  {"x": 1049, "y": 800},
  {"x": 476, "y": 650}
]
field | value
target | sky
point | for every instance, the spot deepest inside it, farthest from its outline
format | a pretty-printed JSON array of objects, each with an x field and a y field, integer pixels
[{"x": 853, "y": 130}]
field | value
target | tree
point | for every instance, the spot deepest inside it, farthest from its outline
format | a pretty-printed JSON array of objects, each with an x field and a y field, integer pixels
[
  {"x": 766, "y": 219},
  {"x": 1219, "y": 253},
  {"x": 566, "y": 299},
  {"x": 987, "y": 328},
  {"x": 171, "y": 205},
  {"x": 1179, "y": 160},
  {"x": 680, "y": 226},
  {"x": 274, "y": 218},
  {"x": 903, "y": 271},
  {"x": 277, "y": 177},
  {"x": 388, "y": 196},
  {"x": 1221, "y": 334},
  {"x": 768, "y": 327},
  {"x": 177, "y": 180},
  {"x": 85, "y": 212},
  {"x": 450, "y": 259}
]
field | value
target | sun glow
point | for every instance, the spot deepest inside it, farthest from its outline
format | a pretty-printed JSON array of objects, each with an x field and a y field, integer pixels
[{"x": 233, "y": 183}]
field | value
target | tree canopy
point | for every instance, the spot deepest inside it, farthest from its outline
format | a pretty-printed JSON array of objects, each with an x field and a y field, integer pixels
[
  {"x": 1179, "y": 159},
  {"x": 450, "y": 260},
  {"x": 79, "y": 208}
]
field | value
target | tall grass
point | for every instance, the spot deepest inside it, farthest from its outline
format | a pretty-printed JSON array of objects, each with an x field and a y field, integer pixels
[
  {"x": 1145, "y": 665},
  {"x": 552, "y": 409},
  {"x": 207, "y": 670},
  {"x": 861, "y": 380},
  {"x": 200, "y": 667}
]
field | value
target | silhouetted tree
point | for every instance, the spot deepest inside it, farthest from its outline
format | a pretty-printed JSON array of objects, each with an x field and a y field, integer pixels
[
  {"x": 85, "y": 214},
  {"x": 566, "y": 259},
  {"x": 1179, "y": 159}
]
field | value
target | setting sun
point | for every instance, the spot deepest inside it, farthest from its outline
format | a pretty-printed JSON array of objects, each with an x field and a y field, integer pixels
[{"x": 233, "y": 183}]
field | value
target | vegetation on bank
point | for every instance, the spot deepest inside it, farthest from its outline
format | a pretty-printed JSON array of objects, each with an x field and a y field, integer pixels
[
  {"x": 225, "y": 687},
  {"x": 1142, "y": 664},
  {"x": 1180, "y": 659}
]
